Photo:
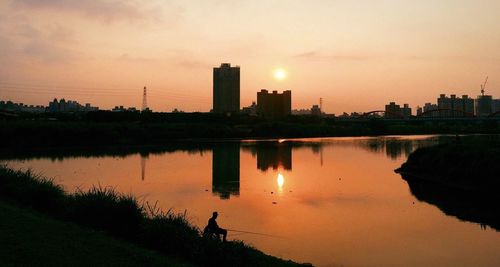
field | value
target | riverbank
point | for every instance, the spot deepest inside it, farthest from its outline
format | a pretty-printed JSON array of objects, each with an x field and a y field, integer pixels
[
  {"x": 470, "y": 166},
  {"x": 461, "y": 179},
  {"x": 30, "y": 238},
  {"x": 156, "y": 129},
  {"x": 117, "y": 216}
]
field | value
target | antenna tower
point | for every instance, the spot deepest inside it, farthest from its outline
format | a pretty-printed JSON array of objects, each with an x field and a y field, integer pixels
[
  {"x": 144, "y": 100},
  {"x": 321, "y": 104}
]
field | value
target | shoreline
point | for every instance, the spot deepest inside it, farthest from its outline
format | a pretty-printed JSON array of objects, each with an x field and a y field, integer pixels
[
  {"x": 124, "y": 218},
  {"x": 32, "y": 134},
  {"x": 461, "y": 179}
]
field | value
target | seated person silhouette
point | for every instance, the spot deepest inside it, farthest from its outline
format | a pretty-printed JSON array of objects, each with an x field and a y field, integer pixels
[{"x": 212, "y": 229}]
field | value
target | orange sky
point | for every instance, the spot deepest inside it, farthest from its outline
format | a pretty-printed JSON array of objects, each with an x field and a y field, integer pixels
[{"x": 356, "y": 55}]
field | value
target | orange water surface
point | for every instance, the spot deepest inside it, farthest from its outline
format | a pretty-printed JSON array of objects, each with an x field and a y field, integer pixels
[{"x": 329, "y": 201}]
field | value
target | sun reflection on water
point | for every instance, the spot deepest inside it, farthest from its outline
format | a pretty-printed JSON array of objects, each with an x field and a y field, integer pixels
[{"x": 281, "y": 181}]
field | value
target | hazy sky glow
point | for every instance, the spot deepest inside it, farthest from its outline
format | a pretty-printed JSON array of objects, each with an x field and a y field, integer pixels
[{"x": 356, "y": 55}]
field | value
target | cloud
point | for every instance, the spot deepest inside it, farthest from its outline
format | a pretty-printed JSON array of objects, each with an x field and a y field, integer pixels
[
  {"x": 127, "y": 58},
  {"x": 40, "y": 49},
  {"x": 179, "y": 58},
  {"x": 317, "y": 55},
  {"x": 104, "y": 10},
  {"x": 22, "y": 42}
]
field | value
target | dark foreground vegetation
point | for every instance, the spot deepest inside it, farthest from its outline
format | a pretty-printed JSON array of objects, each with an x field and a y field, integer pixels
[
  {"x": 123, "y": 218},
  {"x": 30, "y": 238},
  {"x": 461, "y": 178},
  {"x": 99, "y": 128}
]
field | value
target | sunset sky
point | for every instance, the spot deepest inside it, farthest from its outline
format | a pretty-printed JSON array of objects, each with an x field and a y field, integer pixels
[{"x": 356, "y": 55}]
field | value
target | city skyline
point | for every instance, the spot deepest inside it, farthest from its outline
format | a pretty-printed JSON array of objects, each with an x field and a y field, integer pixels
[
  {"x": 356, "y": 56},
  {"x": 278, "y": 106}
]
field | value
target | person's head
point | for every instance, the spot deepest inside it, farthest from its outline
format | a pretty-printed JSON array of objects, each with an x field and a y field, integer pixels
[{"x": 215, "y": 214}]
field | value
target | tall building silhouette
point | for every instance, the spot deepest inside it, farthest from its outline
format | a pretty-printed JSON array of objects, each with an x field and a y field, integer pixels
[
  {"x": 484, "y": 105},
  {"x": 226, "y": 170},
  {"x": 226, "y": 89},
  {"x": 274, "y": 105},
  {"x": 454, "y": 106}
]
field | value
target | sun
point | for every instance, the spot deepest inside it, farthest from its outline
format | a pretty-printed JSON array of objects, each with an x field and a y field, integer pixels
[{"x": 279, "y": 74}]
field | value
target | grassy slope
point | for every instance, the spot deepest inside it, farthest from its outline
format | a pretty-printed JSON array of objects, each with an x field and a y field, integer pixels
[
  {"x": 124, "y": 218},
  {"x": 29, "y": 238}
]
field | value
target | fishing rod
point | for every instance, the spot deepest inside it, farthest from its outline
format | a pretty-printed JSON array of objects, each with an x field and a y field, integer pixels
[{"x": 254, "y": 233}]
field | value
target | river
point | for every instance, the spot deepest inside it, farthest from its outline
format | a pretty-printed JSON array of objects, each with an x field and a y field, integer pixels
[{"x": 327, "y": 201}]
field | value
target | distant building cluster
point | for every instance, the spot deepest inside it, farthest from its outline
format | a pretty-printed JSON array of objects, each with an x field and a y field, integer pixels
[
  {"x": 457, "y": 107},
  {"x": 448, "y": 107},
  {"x": 69, "y": 106},
  {"x": 250, "y": 110},
  {"x": 55, "y": 106},
  {"x": 315, "y": 110},
  {"x": 123, "y": 109},
  {"x": 21, "y": 107},
  {"x": 395, "y": 111}
]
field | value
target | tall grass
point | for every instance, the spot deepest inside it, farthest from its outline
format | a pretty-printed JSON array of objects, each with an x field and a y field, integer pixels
[{"x": 122, "y": 216}]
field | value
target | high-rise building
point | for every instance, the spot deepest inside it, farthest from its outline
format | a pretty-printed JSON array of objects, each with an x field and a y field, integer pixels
[
  {"x": 419, "y": 110},
  {"x": 226, "y": 89},
  {"x": 467, "y": 105},
  {"x": 395, "y": 111},
  {"x": 444, "y": 104},
  {"x": 274, "y": 105},
  {"x": 428, "y": 108},
  {"x": 392, "y": 110},
  {"x": 454, "y": 106},
  {"x": 496, "y": 105},
  {"x": 484, "y": 105},
  {"x": 406, "y": 111}
]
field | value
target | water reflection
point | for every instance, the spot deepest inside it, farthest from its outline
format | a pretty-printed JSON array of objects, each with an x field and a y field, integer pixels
[
  {"x": 394, "y": 148},
  {"x": 354, "y": 202},
  {"x": 280, "y": 180},
  {"x": 274, "y": 155},
  {"x": 483, "y": 209},
  {"x": 226, "y": 170},
  {"x": 144, "y": 158},
  {"x": 270, "y": 154}
]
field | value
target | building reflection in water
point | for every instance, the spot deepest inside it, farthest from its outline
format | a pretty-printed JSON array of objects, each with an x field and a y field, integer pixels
[
  {"x": 394, "y": 148},
  {"x": 274, "y": 155},
  {"x": 278, "y": 156},
  {"x": 226, "y": 170},
  {"x": 144, "y": 157},
  {"x": 317, "y": 149}
]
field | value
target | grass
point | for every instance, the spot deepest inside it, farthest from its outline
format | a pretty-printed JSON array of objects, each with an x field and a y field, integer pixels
[
  {"x": 30, "y": 238},
  {"x": 123, "y": 217}
]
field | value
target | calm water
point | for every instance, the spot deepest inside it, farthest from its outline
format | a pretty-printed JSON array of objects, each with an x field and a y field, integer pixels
[{"x": 331, "y": 202}]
